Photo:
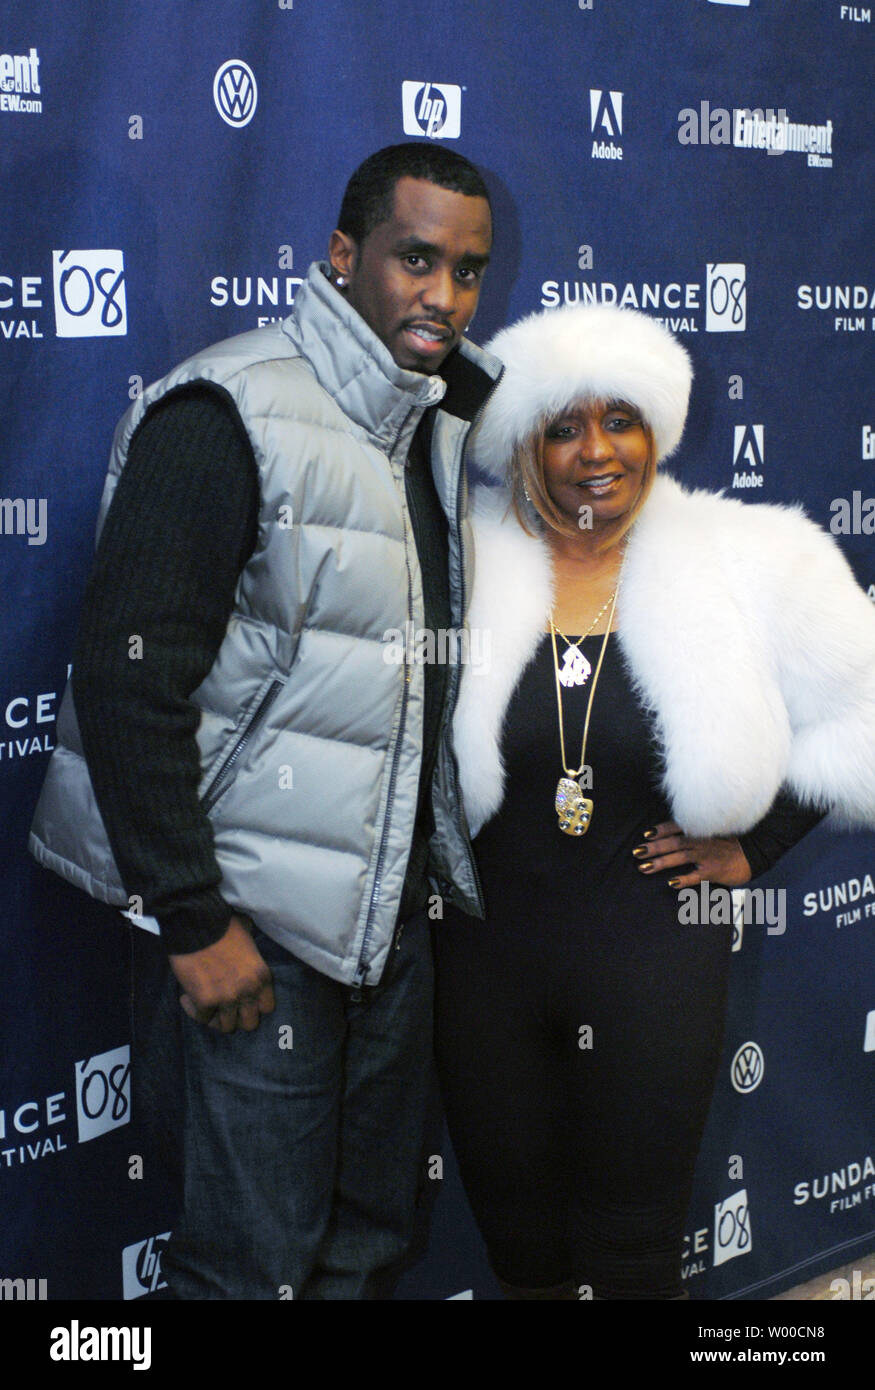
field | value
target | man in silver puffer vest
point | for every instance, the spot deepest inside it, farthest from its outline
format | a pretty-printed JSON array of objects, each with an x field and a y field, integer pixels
[{"x": 254, "y": 751}]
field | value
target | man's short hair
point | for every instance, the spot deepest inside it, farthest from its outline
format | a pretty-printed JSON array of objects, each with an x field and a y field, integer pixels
[{"x": 370, "y": 193}]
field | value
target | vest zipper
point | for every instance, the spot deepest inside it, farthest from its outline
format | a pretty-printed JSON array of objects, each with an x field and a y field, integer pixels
[
  {"x": 456, "y": 675},
  {"x": 362, "y": 970},
  {"x": 457, "y": 672},
  {"x": 223, "y": 778}
]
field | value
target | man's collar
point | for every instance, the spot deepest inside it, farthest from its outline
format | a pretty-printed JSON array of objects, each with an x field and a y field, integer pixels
[{"x": 360, "y": 373}]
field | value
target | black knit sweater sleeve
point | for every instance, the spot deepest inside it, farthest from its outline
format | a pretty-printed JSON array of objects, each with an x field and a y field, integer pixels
[
  {"x": 780, "y": 829},
  {"x": 180, "y": 528}
]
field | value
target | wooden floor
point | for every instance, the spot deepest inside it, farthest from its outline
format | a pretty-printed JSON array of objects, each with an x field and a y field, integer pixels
[{"x": 819, "y": 1289}]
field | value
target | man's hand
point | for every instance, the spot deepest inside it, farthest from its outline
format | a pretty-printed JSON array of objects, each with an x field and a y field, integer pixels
[
  {"x": 719, "y": 859},
  {"x": 227, "y": 985}
]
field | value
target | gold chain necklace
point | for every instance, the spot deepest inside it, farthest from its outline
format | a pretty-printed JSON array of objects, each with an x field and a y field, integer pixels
[
  {"x": 591, "y": 626},
  {"x": 573, "y": 809}
]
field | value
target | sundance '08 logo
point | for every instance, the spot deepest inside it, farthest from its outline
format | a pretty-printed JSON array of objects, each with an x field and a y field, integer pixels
[
  {"x": 732, "y": 1233},
  {"x": 89, "y": 290},
  {"x": 725, "y": 297},
  {"x": 103, "y": 1092},
  {"x": 748, "y": 1067},
  {"x": 235, "y": 92}
]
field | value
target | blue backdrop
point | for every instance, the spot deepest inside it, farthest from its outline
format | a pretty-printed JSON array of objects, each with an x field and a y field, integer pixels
[{"x": 169, "y": 171}]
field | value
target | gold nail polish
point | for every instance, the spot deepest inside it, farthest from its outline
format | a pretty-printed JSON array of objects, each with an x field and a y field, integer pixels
[
  {"x": 641, "y": 850},
  {"x": 649, "y": 835},
  {"x": 645, "y": 866},
  {"x": 674, "y": 883}
]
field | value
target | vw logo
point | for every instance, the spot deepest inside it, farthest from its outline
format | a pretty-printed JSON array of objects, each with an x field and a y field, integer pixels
[
  {"x": 235, "y": 92},
  {"x": 747, "y": 1067}
]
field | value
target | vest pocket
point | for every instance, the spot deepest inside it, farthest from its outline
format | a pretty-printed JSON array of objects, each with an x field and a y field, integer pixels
[{"x": 226, "y": 773}]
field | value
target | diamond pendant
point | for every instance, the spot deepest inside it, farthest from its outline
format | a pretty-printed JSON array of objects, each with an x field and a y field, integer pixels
[
  {"x": 576, "y": 669},
  {"x": 573, "y": 809}
]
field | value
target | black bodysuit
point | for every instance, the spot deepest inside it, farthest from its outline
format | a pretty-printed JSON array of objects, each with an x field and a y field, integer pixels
[{"x": 579, "y": 1027}]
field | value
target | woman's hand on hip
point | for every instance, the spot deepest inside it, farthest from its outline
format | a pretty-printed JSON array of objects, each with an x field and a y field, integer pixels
[{"x": 718, "y": 859}]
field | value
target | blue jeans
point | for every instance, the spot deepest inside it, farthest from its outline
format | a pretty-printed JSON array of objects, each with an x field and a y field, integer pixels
[{"x": 301, "y": 1161}]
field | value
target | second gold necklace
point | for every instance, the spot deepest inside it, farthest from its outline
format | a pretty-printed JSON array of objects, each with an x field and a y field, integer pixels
[{"x": 572, "y": 807}]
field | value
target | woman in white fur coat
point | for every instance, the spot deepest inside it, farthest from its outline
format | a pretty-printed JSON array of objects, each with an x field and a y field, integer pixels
[{"x": 671, "y": 687}]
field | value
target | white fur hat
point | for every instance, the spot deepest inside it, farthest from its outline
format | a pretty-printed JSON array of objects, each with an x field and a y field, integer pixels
[{"x": 582, "y": 352}]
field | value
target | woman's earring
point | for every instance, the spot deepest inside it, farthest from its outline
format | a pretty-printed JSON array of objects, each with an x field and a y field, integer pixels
[
  {"x": 340, "y": 281},
  {"x": 526, "y": 492}
]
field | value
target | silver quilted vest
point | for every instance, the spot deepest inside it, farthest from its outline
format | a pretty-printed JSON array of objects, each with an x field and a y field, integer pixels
[{"x": 310, "y": 740}]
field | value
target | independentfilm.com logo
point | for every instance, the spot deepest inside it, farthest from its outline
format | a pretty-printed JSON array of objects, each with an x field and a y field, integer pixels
[
  {"x": 606, "y": 123},
  {"x": 432, "y": 108},
  {"x": 747, "y": 1068},
  {"x": 235, "y": 92},
  {"x": 19, "y": 83},
  {"x": 103, "y": 1092},
  {"x": 89, "y": 294},
  {"x": 141, "y": 1266},
  {"x": 732, "y": 1233}
]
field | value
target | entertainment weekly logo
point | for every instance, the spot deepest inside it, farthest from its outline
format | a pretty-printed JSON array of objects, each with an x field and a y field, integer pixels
[
  {"x": 676, "y": 304},
  {"x": 19, "y": 83},
  {"x": 757, "y": 128}
]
